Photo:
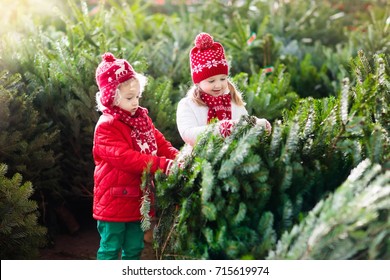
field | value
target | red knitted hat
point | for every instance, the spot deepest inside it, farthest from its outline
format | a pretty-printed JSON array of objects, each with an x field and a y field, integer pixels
[
  {"x": 207, "y": 58},
  {"x": 109, "y": 74}
]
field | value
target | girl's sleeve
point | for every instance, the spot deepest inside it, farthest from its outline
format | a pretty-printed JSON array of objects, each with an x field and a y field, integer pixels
[
  {"x": 187, "y": 123},
  {"x": 239, "y": 111}
]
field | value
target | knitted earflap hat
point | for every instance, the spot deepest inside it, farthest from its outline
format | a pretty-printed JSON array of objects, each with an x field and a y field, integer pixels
[
  {"x": 109, "y": 74},
  {"x": 207, "y": 58}
]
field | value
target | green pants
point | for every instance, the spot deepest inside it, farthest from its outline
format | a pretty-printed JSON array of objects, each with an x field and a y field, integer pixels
[{"x": 116, "y": 238}]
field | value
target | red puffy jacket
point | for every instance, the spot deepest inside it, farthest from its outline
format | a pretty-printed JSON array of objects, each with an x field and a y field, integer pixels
[{"x": 117, "y": 192}]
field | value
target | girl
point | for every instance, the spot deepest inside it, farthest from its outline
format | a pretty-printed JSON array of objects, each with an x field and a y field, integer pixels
[
  {"x": 125, "y": 143},
  {"x": 213, "y": 96}
]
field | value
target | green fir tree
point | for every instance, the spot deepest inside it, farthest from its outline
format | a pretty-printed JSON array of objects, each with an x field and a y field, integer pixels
[
  {"x": 233, "y": 198},
  {"x": 352, "y": 223},
  {"x": 27, "y": 142},
  {"x": 20, "y": 233}
]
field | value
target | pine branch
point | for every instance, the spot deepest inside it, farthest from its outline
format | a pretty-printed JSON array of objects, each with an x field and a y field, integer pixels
[{"x": 341, "y": 226}]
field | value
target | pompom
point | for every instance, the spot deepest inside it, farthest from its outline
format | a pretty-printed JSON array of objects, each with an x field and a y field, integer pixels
[
  {"x": 108, "y": 57},
  {"x": 204, "y": 41}
]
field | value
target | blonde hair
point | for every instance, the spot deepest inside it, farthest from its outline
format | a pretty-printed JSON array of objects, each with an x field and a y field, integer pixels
[
  {"x": 194, "y": 94},
  {"x": 142, "y": 84}
]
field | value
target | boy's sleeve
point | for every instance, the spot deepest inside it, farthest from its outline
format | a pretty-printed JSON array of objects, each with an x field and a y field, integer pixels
[{"x": 111, "y": 146}]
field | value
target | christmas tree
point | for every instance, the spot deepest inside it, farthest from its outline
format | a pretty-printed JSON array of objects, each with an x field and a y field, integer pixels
[
  {"x": 352, "y": 223},
  {"x": 233, "y": 198},
  {"x": 20, "y": 233},
  {"x": 27, "y": 143}
]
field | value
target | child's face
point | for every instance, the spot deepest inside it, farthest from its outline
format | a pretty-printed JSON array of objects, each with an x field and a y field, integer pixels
[
  {"x": 215, "y": 85},
  {"x": 129, "y": 94}
]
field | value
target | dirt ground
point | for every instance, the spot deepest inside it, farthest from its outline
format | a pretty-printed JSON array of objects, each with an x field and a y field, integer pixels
[
  {"x": 81, "y": 245},
  {"x": 75, "y": 237}
]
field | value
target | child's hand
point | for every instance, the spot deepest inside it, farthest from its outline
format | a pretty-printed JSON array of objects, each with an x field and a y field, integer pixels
[
  {"x": 180, "y": 162},
  {"x": 265, "y": 124},
  {"x": 183, "y": 155},
  {"x": 168, "y": 167}
]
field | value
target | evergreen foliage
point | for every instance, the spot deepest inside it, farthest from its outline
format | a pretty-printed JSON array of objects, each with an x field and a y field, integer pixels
[
  {"x": 376, "y": 31},
  {"x": 158, "y": 99},
  {"x": 267, "y": 96},
  {"x": 58, "y": 80},
  {"x": 22, "y": 144},
  {"x": 234, "y": 198},
  {"x": 20, "y": 233},
  {"x": 352, "y": 223},
  {"x": 27, "y": 142},
  {"x": 47, "y": 125}
]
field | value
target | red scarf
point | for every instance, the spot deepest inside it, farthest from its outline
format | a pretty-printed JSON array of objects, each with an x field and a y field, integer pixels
[
  {"x": 220, "y": 107},
  {"x": 142, "y": 133}
]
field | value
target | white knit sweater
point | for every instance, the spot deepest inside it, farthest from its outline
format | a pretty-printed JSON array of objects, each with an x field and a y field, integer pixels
[{"x": 191, "y": 118}]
